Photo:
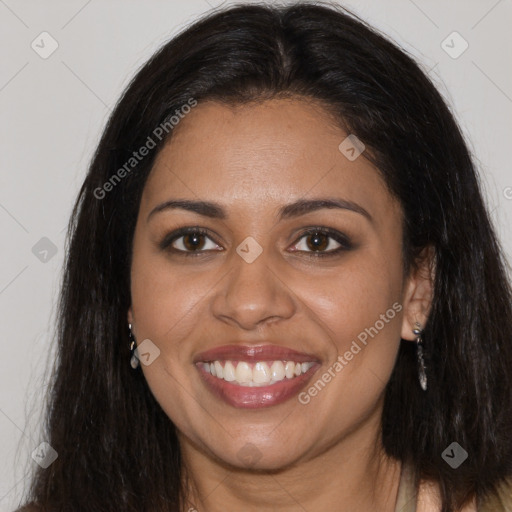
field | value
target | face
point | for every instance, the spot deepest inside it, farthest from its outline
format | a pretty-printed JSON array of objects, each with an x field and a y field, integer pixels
[{"x": 301, "y": 306}]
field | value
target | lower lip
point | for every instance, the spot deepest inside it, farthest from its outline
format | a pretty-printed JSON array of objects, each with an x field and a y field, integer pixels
[{"x": 256, "y": 397}]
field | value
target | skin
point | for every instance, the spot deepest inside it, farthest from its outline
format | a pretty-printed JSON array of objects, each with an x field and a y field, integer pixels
[{"x": 253, "y": 159}]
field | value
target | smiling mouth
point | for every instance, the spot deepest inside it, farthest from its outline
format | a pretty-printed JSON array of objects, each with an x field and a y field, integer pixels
[{"x": 255, "y": 374}]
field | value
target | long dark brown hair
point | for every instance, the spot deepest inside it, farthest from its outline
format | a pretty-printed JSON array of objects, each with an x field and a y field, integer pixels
[{"x": 118, "y": 450}]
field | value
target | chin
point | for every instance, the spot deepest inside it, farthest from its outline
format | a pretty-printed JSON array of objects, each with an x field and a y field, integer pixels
[{"x": 250, "y": 458}]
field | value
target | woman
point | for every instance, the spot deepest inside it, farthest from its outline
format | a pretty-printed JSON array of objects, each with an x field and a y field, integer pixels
[{"x": 283, "y": 290}]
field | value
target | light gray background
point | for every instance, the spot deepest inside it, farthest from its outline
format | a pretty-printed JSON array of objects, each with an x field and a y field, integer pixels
[{"x": 53, "y": 111}]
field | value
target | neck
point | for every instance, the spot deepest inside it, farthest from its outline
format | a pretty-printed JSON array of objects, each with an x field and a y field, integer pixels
[{"x": 352, "y": 474}]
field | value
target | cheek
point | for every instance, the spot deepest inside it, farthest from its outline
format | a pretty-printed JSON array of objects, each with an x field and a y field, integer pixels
[
  {"x": 361, "y": 313},
  {"x": 166, "y": 302},
  {"x": 164, "y": 297},
  {"x": 360, "y": 310},
  {"x": 353, "y": 299}
]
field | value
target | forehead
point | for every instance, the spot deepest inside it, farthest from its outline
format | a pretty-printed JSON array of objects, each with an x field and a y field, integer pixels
[{"x": 254, "y": 154}]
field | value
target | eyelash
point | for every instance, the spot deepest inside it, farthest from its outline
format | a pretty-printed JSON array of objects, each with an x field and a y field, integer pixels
[{"x": 343, "y": 240}]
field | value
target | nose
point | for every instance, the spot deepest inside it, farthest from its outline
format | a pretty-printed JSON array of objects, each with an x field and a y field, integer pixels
[{"x": 252, "y": 294}]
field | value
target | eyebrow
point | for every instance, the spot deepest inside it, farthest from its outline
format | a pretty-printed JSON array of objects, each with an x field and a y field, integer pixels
[{"x": 295, "y": 209}]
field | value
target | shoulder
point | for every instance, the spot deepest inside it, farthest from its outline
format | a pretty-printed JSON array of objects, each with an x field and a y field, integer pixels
[{"x": 501, "y": 501}]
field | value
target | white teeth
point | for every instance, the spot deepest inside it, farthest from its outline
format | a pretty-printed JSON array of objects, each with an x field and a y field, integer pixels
[
  {"x": 289, "y": 369},
  {"x": 229, "y": 371},
  {"x": 218, "y": 369},
  {"x": 243, "y": 373},
  {"x": 306, "y": 366},
  {"x": 260, "y": 373},
  {"x": 277, "y": 371}
]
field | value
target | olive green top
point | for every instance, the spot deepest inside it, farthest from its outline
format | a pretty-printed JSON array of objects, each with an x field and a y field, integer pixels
[
  {"x": 407, "y": 496},
  {"x": 406, "y": 501}
]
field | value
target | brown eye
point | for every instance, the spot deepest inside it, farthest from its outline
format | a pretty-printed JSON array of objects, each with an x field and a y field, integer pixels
[
  {"x": 322, "y": 242},
  {"x": 189, "y": 241},
  {"x": 193, "y": 241},
  {"x": 317, "y": 241}
]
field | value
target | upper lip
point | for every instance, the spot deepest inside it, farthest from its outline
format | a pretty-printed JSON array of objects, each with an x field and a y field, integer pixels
[{"x": 254, "y": 353}]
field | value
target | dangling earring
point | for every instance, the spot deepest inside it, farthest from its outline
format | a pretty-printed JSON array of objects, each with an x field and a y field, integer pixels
[
  {"x": 422, "y": 374},
  {"x": 134, "y": 361}
]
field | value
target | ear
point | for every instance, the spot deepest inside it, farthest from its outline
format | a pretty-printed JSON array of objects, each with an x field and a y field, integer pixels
[
  {"x": 130, "y": 315},
  {"x": 418, "y": 293}
]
